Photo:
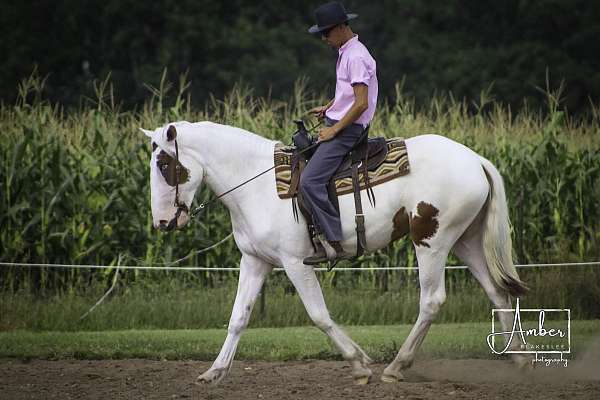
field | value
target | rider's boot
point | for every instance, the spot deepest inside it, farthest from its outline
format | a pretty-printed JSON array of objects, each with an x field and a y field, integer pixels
[{"x": 327, "y": 252}]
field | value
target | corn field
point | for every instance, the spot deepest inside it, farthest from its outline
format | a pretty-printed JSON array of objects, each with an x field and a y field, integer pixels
[{"x": 74, "y": 184}]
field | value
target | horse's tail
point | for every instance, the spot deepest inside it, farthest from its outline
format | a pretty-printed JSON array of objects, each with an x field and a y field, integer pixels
[{"x": 497, "y": 243}]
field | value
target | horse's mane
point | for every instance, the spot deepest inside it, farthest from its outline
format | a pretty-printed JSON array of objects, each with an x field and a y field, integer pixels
[{"x": 238, "y": 135}]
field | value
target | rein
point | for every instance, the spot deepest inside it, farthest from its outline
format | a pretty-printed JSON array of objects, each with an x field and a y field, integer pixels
[{"x": 200, "y": 208}]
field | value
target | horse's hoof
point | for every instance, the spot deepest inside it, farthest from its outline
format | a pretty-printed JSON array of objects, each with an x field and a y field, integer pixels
[
  {"x": 211, "y": 377},
  {"x": 388, "y": 378},
  {"x": 527, "y": 366},
  {"x": 524, "y": 363},
  {"x": 360, "y": 373}
]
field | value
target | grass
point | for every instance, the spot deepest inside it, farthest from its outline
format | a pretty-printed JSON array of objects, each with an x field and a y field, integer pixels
[
  {"x": 466, "y": 340},
  {"x": 390, "y": 299}
]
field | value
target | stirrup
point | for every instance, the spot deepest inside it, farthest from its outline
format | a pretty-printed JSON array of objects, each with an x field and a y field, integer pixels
[
  {"x": 333, "y": 255},
  {"x": 320, "y": 256},
  {"x": 330, "y": 252},
  {"x": 315, "y": 259},
  {"x": 332, "y": 263},
  {"x": 326, "y": 253}
]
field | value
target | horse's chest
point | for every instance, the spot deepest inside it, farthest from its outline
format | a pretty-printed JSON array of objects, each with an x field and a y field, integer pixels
[{"x": 253, "y": 240}]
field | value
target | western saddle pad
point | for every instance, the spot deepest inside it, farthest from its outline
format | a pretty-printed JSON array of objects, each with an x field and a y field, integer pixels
[{"x": 381, "y": 169}]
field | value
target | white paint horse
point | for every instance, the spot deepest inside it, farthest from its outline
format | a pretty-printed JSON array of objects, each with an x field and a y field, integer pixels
[{"x": 452, "y": 200}]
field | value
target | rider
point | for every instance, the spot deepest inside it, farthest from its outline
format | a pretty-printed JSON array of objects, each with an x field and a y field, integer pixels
[{"x": 346, "y": 118}]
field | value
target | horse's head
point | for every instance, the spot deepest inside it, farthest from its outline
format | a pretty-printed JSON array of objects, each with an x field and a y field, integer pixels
[{"x": 174, "y": 178}]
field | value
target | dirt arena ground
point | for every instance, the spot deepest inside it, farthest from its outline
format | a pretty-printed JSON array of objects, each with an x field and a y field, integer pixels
[{"x": 330, "y": 380}]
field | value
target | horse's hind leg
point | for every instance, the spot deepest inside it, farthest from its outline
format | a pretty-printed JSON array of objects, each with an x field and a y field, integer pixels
[
  {"x": 309, "y": 290},
  {"x": 431, "y": 262},
  {"x": 470, "y": 250},
  {"x": 252, "y": 276}
]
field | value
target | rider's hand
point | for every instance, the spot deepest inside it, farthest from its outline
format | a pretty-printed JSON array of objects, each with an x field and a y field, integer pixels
[
  {"x": 318, "y": 112},
  {"x": 327, "y": 134}
]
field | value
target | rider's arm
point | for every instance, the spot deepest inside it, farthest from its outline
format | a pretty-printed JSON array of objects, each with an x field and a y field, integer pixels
[
  {"x": 361, "y": 103},
  {"x": 319, "y": 111}
]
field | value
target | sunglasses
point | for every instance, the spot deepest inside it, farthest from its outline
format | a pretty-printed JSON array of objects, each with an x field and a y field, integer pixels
[{"x": 327, "y": 31}]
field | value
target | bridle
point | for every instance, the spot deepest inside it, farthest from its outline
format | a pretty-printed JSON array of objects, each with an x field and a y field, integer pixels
[{"x": 181, "y": 206}]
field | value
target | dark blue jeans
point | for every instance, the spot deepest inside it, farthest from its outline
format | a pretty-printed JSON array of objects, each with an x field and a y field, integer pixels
[{"x": 319, "y": 170}]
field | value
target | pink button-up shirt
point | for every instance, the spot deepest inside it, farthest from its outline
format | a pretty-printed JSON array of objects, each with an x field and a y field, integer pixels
[{"x": 354, "y": 65}]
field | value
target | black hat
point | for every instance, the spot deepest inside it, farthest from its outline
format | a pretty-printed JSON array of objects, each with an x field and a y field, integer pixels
[{"x": 328, "y": 15}]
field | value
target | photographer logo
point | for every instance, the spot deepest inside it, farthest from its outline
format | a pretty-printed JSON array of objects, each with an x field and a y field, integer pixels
[{"x": 545, "y": 333}]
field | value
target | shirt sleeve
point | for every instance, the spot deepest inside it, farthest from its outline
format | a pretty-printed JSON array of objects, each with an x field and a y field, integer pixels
[{"x": 358, "y": 71}]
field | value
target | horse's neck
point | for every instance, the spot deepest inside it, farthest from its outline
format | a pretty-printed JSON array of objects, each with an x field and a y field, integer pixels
[{"x": 231, "y": 156}]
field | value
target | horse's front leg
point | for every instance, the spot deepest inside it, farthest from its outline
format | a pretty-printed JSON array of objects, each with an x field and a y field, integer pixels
[
  {"x": 252, "y": 276},
  {"x": 308, "y": 288}
]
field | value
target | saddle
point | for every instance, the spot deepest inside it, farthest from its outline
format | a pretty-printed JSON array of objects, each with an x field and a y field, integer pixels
[{"x": 366, "y": 155}]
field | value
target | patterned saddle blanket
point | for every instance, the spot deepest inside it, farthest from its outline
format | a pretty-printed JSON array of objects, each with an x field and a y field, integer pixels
[{"x": 394, "y": 165}]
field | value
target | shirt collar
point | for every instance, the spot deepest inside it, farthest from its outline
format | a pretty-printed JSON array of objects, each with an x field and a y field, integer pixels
[{"x": 348, "y": 43}]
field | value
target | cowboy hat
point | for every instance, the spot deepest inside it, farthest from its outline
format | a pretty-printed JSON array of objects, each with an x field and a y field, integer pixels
[{"x": 329, "y": 15}]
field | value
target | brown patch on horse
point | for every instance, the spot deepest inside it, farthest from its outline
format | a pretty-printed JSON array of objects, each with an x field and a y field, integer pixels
[
  {"x": 401, "y": 224},
  {"x": 424, "y": 224},
  {"x": 171, "y": 169}
]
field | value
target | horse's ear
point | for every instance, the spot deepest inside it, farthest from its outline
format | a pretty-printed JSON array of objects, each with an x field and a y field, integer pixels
[
  {"x": 147, "y": 132},
  {"x": 171, "y": 133}
]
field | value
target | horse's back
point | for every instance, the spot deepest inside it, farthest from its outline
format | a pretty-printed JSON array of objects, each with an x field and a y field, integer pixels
[
  {"x": 433, "y": 146},
  {"x": 436, "y": 156},
  {"x": 444, "y": 170}
]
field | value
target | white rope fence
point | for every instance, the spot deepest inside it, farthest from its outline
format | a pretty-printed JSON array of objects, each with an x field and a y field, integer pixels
[
  {"x": 170, "y": 266},
  {"x": 199, "y": 268}
]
